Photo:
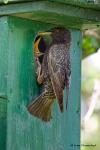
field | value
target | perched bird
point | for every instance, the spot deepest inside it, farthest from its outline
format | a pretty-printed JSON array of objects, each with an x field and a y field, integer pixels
[
  {"x": 55, "y": 73},
  {"x": 41, "y": 106}
]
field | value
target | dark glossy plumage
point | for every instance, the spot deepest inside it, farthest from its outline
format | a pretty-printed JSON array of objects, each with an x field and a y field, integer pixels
[{"x": 54, "y": 75}]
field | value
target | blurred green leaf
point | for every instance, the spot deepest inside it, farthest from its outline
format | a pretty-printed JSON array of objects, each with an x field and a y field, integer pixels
[{"x": 89, "y": 45}]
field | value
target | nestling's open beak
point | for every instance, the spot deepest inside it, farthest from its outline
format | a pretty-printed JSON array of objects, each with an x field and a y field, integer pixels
[{"x": 44, "y": 33}]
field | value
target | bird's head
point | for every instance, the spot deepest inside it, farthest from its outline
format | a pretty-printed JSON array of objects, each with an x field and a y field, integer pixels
[{"x": 58, "y": 34}]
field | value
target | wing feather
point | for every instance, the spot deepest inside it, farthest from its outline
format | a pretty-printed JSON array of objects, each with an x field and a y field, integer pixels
[{"x": 57, "y": 74}]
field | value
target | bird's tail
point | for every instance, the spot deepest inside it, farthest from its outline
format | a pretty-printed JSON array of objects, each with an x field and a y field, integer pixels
[{"x": 41, "y": 107}]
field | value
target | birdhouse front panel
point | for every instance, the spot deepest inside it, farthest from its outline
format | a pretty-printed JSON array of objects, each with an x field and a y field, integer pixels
[{"x": 25, "y": 131}]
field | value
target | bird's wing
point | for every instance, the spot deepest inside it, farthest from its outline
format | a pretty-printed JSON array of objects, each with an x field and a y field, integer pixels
[
  {"x": 67, "y": 74},
  {"x": 56, "y": 74}
]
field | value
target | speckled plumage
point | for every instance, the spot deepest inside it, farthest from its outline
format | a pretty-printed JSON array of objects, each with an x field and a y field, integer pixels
[{"x": 54, "y": 76}]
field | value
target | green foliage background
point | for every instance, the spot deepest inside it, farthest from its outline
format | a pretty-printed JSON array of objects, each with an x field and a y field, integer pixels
[{"x": 90, "y": 45}]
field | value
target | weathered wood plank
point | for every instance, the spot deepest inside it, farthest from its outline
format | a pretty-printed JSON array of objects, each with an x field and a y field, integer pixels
[
  {"x": 3, "y": 56},
  {"x": 3, "y": 80},
  {"x": 82, "y": 3},
  {"x": 13, "y": 1},
  {"x": 69, "y": 15},
  {"x": 3, "y": 123}
]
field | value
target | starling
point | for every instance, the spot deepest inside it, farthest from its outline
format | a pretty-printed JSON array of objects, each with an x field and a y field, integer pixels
[{"x": 54, "y": 73}]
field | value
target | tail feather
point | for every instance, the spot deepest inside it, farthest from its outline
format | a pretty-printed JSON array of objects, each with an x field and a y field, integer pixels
[
  {"x": 41, "y": 108},
  {"x": 46, "y": 111}
]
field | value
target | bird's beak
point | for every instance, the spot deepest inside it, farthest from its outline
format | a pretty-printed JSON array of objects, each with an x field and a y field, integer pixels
[{"x": 44, "y": 33}]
